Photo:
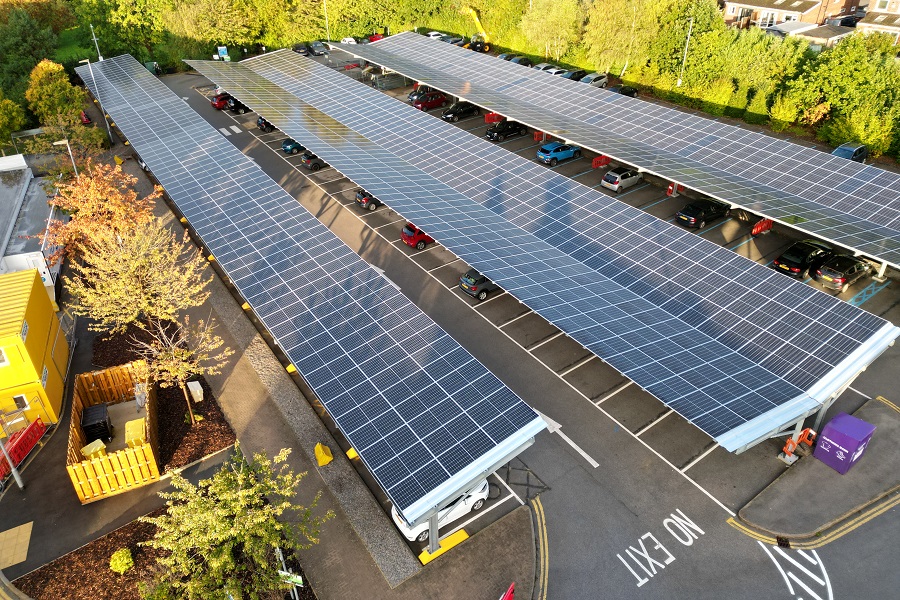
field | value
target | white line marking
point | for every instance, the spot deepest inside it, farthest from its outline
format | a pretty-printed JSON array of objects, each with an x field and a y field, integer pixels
[
  {"x": 494, "y": 295},
  {"x": 556, "y": 428},
  {"x": 652, "y": 423},
  {"x": 806, "y": 556},
  {"x": 542, "y": 342},
  {"x": 699, "y": 458},
  {"x": 787, "y": 581},
  {"x": 514, "y": 319},
  {"x": 791, "y": 560},
  {"x": 860, "y": 393},
  {"x": 824, "y": 574},
  {"x": 506, "y": 485},
  {"x": 577, "y": 365},
  {"x": 478, "y": 514},
  {"x": 224, "y": 131},
  {"x": 236, "y": 129},
  {"x": 443, "y": 265},
  {"x": 613, "y": 393},
  {"x": 804, "y": 586}
]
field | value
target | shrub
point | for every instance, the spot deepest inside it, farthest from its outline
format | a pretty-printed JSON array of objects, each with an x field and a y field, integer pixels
[
  {"x": 757, "y": 112},
  {"x": 717, "y": 95},
  {"x": 121, "y": 561},
  {"x": 784, "y": 112}
]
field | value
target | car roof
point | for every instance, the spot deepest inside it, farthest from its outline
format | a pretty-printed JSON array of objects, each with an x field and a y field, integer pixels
[
  {"x": 842, "y": 261},
  {"x": 814, "y": 243},
  {"x": 552, "y": 146},
  {"x": 619, "y": 170}
]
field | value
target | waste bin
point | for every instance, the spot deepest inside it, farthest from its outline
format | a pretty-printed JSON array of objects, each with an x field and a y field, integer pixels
[{"x": 843, "y": 441}]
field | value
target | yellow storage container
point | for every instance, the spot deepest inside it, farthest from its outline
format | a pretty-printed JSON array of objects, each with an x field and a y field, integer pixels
[
  {"x": 95, "y": 449},
  {"x": 134, "y": 433}
]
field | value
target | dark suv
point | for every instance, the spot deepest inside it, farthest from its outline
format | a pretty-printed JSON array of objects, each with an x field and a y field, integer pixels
[
  {"x": 264, "y": 125},
  {"x": 504, "y": 129},
  {"x": 475, "y": 284},
  {"x": 698, "y": 213},
  {"x": 367, "y": 200},
  {"x": 312, "y": 162},
  {"x": 460, "y": 110},
  {"x": 802, "y": 258}
]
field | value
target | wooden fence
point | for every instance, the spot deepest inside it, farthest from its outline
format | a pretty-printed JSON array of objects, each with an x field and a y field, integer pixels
[{"x": 118, "y": 471}]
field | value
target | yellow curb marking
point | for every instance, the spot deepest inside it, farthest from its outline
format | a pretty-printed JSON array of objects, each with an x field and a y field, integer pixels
[
  {"x": 884, "y": 400},
  {"x": 454, "y": 539},
  {"x": 543, "y": 548}
]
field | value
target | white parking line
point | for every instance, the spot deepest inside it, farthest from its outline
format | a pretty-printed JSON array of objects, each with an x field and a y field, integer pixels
[
  {"x": 652, "y": 423},
  {"x": 852, "y": 389},
  {"x": 236, "y": 129},
  {"x": 493, "y": 296},
  {"x": 612, "y": 393},
  {"x": 506, "y": 485},
  {"x": 477, "y": 515},
  {"x": 580, "y": 363},
  {"x": 443, "y": 265},
  {"x": 225, "y": 131},
  {"x": 542, "y": 342},
  {"x": 699, "y": 458},
  {"x": 514, "y": 319}
]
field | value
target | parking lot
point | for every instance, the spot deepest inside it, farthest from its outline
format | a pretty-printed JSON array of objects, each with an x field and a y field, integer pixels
[{"x": 731, "y": 480}]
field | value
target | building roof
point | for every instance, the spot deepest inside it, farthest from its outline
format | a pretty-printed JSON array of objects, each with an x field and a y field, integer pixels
[
  {"x": 881, "y": 20},
  {"x": 15, "y": 291},
  {"x": 791, "y": 27},
  {"x": 13, "y": 186},
  {"x": 825, "y": 32},
  {"x": 790, "y": 6}
]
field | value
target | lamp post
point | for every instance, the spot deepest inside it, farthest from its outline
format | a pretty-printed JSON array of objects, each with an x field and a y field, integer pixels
[
  {"x": 327, "y": 28},
  {"x": 684, "y": 60},
  {"x": 65, "y": 143},
  {"x": 97, "y": 93}
]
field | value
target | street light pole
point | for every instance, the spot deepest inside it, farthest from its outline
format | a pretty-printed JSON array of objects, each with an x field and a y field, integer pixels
[
  {"x": 684, "y": 60},
  {"x": 327, "y": 28},
  {"x": 65, "y": 143},
  {"x": 12, "y": 466},
  {"x": 93, "y": 35},
  {"x": 99, "y": 101}
]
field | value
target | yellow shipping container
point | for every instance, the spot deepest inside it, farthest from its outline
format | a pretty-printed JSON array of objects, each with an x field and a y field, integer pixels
[{"x": 34, "y": 353}]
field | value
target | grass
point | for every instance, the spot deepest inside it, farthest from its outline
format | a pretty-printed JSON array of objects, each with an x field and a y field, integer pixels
[{"x": 69, "y": 48}]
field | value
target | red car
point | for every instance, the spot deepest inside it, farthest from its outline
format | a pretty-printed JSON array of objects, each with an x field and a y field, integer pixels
[
  {"x": 414, "y": 237},
  {"x": 220, "y": 101},
  {"x": 430, "y": 100}
]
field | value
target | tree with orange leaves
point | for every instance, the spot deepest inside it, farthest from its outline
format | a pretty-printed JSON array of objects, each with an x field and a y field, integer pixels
[{"x": 101, "y": 200}]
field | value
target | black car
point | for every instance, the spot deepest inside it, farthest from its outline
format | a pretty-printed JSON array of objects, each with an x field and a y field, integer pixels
[
  {"x": 301, "y": 49},
  {"x": 504, "y": 129},
  {"x": 367, "y": 200},
  {"x": 803, "y": 258},
  {"x": 506, "y": 56},
  {"x": 475, "y": 284},
  {"x": 625, "y": 90},
  {"x": 318, "y": 48},
  {"x": 850, "y": 151},
  {"x": 312, "y": 162},
  {"x": 698, "y": 213},
  {"x": 839, "y": 272},
  {"x": 574, "y": 75},
  {"x": 521, "y": 60},
  {"x": 236, "y": 106},
  {"x": 460, "y": 110},
  {"x": 264, "y": 125},
  {"x": 452, "y": 39}
]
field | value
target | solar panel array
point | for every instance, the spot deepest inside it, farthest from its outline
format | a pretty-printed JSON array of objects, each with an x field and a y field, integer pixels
[
  {"x": 400, "y": 155},
  {"x": 423, "y": 414},
  {"x": 856, "y": 206}
]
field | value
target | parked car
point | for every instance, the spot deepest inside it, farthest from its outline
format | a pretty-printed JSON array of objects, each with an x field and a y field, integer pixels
[
  {"x": 803, "y": 258},
  {"x": 477, "y": 285},
  {"x": 625, "y": 90},
  {"x": 452, "y": 39},
  {"x": 850, "y": 21},
  {"x": 430, "y": 100},
  {"x": 235, "y": 106},
  {"x": 841, "y": 271},
  {"x": 698, "y": 213},
  {"x": 414, "y": 237},
  {"x": 462, "y": 506},
  {"x": 521, "y": 60},
  {"x": 621, "y": 178},
  {"x": 600, "y": 80},
  {"x": 504, "y": 129},
  {"x": 220, "y": 101},
  {"x": 312, "y": 162},
  {"x": 85, "y": 119},
  {"x": 318, "y": 48},
  {"x": 348, "y": 40},
  {"x": 418, "y": 93},
  {"x": 574, "y": 75},
  {"x": 460, "y": 110},
  {"x": 264, "y": 125},
  {"x": 506, "y": 56},
  {"x": 554, "y": 152},
  {"x": 301, "y": 49},
  {"x": 851, "y": 151},
  {"x": 544, "y": 66},
  {"x": 555, "y": 71},
  {"x": 292, "y": 146},
  {"x": 435, "y": 35},
  {"x": 367, "y": 200}
]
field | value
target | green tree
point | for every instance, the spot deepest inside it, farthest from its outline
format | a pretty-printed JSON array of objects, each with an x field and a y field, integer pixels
[
  {"x": 176, "y": 352},
  {"x": 23, "y": 43},
  {"x": 50, "y": 93},
  {"x": 12, "y": 119},
  {"x": 137, "y": 275},
  {"x": 865, "y": 125},
  {"x": 123, "y": 26},
  {"x": 784, "y": 111},
  {"x": 220, "y": 536},
  {"x": 674, "y": 20},
  {"x": 618, "y": 33},
  {"x": 553, "y": 25}
]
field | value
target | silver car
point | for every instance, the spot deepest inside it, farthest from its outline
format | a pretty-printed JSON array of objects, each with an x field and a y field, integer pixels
[
  {"x": 600, "y": 80},
  {"x": 544, "y": 67},
  {"x": 621, "y": 178}
]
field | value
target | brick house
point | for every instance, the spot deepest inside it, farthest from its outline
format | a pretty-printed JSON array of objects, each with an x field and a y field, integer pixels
[
  {"x": 882, "y": 16},
  {"x": 766, "y": 13}
]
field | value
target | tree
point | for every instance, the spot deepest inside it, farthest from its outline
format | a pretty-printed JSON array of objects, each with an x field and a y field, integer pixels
[
  {"x": 101, "y": 200},
  {"x": 23, "y": 43},
  {"x": 176, "y": 352},
  {"x": 618, "y": 33},
  {"x": 553, "y": 25},
  {"x": 50, "y": 94},
  {"x": 137, "y": 275},
  {"x": 220, "y": 536},
  {"x": 12, "y": 119}
]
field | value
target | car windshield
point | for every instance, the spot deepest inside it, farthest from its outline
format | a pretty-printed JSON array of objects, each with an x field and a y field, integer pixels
[
  {"x": 472, "y": 277},
  {"x": 844, "y": 151},
  {"x": 691, "y": 210},
  {"x": 797, "y": 253},
  {"x": 611, "y": 177},
  {"x": 408, "y": 229}
]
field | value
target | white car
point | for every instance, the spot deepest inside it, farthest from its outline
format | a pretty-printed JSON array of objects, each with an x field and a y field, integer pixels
[
  {"x": 555, "y": 71},
  {"x": 435, "y": 35},
  {"x": 599, "y": 80},
  {"x": 544, "y": 67},
  {"x": 463, "y": 505},
  {"x": 348, "y": 40}
]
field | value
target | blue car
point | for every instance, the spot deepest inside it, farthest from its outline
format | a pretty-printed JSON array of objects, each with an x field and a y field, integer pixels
[
  {"x": 291, "y": 146},
  {"x": 557, "y": 151}
]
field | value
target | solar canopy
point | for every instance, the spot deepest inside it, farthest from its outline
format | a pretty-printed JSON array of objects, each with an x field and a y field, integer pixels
[
  {"x": 855, "y": 206},
  {"x": 427, "y": 419},
  {"x": 704, "y": 360}
]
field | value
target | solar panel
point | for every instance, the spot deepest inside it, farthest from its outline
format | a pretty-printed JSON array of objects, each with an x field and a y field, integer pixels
[
  {"x": 405, "y": 159},
  {"x": 425, "y": 416},
  {"x": 811, "y": 191}
]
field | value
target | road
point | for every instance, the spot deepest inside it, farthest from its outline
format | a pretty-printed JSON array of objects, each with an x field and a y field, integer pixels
[{"x": 634, "y": 500}]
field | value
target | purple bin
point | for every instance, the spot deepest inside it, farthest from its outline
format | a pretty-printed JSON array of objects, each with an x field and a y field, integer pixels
[{"x": 843, "y": 441}]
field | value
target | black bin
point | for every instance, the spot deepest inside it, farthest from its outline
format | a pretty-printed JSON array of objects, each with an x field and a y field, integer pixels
[{"x": 96, "y": 424}]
